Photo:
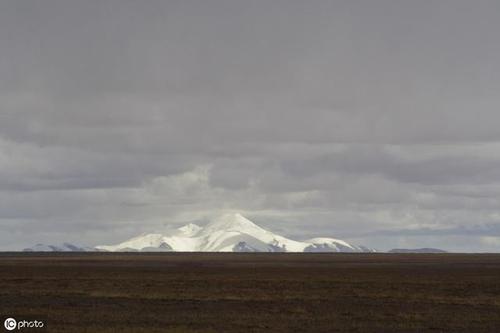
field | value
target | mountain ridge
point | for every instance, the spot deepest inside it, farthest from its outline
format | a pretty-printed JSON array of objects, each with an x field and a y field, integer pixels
[
  {"x": 226, "y": 233},
  {"x": 419, "y": 250}
]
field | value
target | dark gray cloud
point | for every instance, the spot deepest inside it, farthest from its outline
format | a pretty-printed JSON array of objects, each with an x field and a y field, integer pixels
[{"x": 342, "y": 118}]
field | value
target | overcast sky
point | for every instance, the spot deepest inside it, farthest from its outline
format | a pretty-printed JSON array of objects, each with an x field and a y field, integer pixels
[{"x": 377, "y": 122}]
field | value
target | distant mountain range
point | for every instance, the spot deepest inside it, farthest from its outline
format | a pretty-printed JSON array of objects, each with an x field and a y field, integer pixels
[
  {"x": 422, "y": 250},
  {"x": 227, "y": 233},
  {"x": 65, "y": 247}
]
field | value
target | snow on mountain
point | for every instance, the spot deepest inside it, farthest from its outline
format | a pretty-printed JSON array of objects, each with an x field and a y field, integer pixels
[
  {"x": 228, "y": 233},
  {"x": 136, "y": 243},
  {"x": 190, "y": 229},
  {"x": 322, "y": 244}
]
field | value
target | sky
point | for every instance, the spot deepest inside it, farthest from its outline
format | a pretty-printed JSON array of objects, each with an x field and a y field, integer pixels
[{"x": 372, "y": 121}]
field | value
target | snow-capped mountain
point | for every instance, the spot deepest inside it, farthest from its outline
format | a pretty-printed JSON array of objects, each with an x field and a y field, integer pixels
[{"x": 228, "y": 233}]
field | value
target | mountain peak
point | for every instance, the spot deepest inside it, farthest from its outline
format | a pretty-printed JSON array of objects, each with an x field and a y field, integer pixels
[
  {"x": 190, "y": 229},
  {"x": 231, "y": 221}
]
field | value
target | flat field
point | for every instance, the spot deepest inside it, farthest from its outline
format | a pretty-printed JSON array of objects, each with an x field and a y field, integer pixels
[{"x": 202, "y": 292}]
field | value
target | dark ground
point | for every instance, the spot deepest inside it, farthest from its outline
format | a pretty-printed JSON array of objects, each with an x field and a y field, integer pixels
[{"x": 180, "y": 292}]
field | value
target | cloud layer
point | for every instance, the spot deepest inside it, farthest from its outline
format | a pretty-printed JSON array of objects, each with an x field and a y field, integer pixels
[{"x": 374, "y": 121}]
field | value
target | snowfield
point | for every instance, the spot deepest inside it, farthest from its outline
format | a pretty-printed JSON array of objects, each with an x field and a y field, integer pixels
[{"x": 228, "y": 233}]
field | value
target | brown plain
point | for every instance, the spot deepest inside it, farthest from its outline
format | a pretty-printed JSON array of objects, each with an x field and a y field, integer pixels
[{"x": 209, "y": 292}]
